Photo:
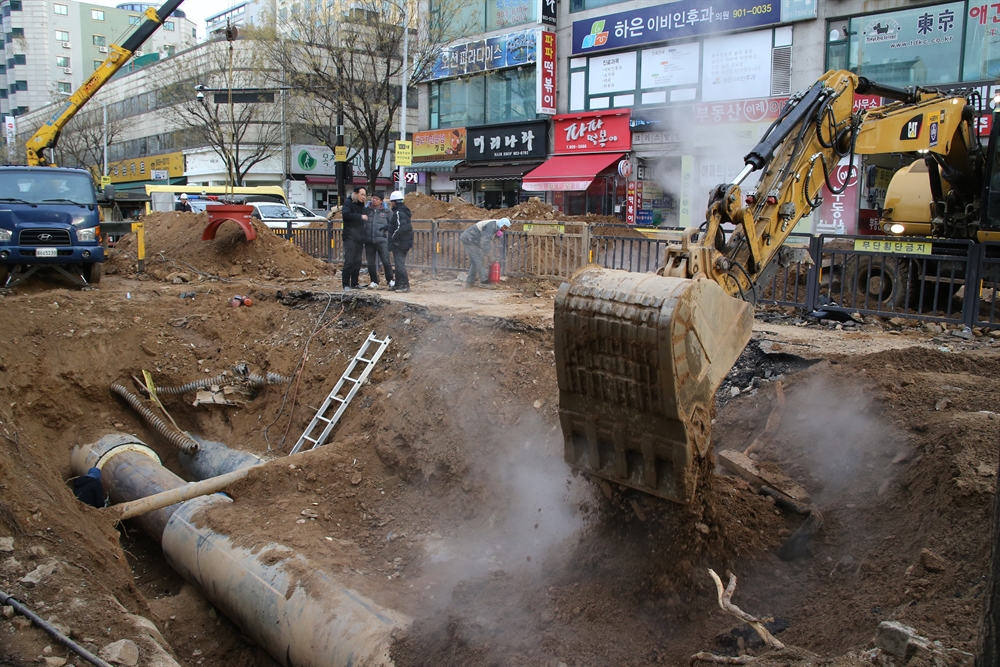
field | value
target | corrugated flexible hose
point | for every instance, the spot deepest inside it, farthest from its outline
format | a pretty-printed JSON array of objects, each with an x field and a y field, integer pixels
[
  {"x": 178, "y": 439},
  {"x": 253, "y": 379}
]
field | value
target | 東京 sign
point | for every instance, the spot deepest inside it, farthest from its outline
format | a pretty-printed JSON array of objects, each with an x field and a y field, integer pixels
[{"x": 685, "y": 18}]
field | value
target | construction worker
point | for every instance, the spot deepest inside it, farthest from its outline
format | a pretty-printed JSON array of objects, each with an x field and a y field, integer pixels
[
  {"x": 400, "y": 240},
  {"x": 182, "y": 204},
  {"x": 476, "y": 240}
]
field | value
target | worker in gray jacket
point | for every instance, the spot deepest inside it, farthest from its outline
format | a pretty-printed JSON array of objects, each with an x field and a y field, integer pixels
[
  {"x": 376, "y": 240},
  {"x": 476, "y": 240}
]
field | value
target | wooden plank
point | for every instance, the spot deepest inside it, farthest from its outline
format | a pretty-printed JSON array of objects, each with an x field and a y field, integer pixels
[{"x": 741, "y": 465}]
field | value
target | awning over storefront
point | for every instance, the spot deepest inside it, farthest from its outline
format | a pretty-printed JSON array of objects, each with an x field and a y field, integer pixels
[
  {"x": 321, "y": 180},
  {"x": 442, "y": 166},
  {"x": 503, "y": 172},
  {"x": 568, "y": 172}
]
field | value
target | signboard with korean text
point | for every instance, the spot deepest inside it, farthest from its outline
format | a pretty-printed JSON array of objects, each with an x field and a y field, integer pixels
[
  {"x": 659, "y": 23},
  {"x": 838, "y": 214},
  {"x": 612, "y": 73},
  {"x": 404, "y": 153},
  {"x": 545, "y": 77},
  {"x": 141, "y": 169},
  {"x": 884, "y": 245},
  {"x": 737, "y": 66},
  {"x": 797, "y": 10},
  {"x": 340, "y": 153},
  {"x": 982, "y": 42},
  {"x": 507, "y": 13},
  {"x": 514, "y": 142},
  {"x": 10, "y": 132},
  {"x": 686, "y": 216},
  {"x": 546, "y": 12},
  {"x": 630, "y": 203},
  {"x": 922, "y": 45},
  {"x": 595, "y": 132},
  {"x": 674, "y": 65},
  {"x": 321, "y": 161},
  {"x": 436, "y": 145},
  {"x": 510, "y": 50}
]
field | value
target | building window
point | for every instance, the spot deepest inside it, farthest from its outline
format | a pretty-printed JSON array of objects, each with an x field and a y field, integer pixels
[
  {"x": 61, "y": 10},
  {"x": 97, "y": 64},
  {"x": 194, "y": 33},
  {"x": 168, "y": 26},
  {"x": 20, "y": 59},
  {"x": 97, "y": 14},
  {"x": 134, "y": 20},
  {"x": 3, "y": 69},
  {"x": 580, "y": 5},
  {"x": 20, "y": 85},
  {"x": 17, "y": 33},
  {"x": 65, "y": 87},
  {"x": 99, "y": 40},
  {"x": 3, "y": 93},
  {"x": 62, "y": 35},
  {"x": 15, "y": 5},
  {"x": 62, "y": 61}
]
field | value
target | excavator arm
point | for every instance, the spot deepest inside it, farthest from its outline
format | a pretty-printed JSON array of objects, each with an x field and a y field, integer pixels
[
  {"x": 48, "y": 134},
  {"x": 639, "y": 357}
]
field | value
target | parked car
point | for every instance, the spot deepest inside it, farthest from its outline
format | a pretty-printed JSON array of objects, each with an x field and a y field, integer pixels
[
  {"x": 277, "y": 216},
  {"x": 304, "y": 213}
]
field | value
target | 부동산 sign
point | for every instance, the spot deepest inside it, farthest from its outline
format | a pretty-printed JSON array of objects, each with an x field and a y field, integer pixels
[{"x": 687, "y": 18}]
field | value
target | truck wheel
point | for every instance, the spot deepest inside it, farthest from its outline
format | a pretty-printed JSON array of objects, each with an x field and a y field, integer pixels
[
  {"x": 92, "y": 272},
  {"x": 876, "y": 282}
]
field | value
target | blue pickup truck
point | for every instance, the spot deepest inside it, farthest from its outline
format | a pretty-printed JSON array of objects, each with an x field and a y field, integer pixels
[{"x": 49, "y": 218}]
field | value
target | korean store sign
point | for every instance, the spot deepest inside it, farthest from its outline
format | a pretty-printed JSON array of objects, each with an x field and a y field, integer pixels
[
  {"x": 599, "y": 132},
  {"x": 686, "y": 18},
  {"x": 510, "y": 50},
  {"x": 520, "y": 141},
  {"x": 545, "y": 77},
  {"x": 432, "y": 145}
]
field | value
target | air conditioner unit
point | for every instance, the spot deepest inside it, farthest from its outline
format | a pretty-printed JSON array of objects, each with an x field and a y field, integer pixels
[
  {"x": 67, "y": 70},
  {"x": 137, "y": 53},
  {"x": 102, "y": 49},
  {"x": 65, "y": 45}
]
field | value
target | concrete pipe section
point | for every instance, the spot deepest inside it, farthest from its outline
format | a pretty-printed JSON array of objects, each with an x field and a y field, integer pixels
[{"x": 300, "y": 615}]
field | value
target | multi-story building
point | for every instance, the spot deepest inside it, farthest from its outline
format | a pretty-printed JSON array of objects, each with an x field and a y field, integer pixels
[
  {"x": 51, "y": 47},
  {"x": 657, "y": 102},
  {"x": 251, "y": 12}
]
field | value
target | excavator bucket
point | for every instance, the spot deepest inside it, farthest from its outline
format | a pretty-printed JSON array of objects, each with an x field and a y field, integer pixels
[{"x": 639, "y": 358}]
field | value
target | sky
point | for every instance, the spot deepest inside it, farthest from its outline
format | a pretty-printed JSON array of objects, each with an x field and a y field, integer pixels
[{"x": 196, "y": 10}]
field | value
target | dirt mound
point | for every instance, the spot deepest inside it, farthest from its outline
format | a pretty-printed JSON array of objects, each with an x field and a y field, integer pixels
[{"x": 174, "y": 245}]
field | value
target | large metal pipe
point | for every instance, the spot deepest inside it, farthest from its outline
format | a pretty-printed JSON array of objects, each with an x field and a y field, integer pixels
[
  {"x": 292, "y": 609},
  {"x": 300, "y": 615},
  {"x": 214, "y": 458}
]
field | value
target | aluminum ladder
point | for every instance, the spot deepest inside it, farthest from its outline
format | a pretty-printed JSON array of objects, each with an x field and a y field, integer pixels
[{"x": 334, "y": 401}]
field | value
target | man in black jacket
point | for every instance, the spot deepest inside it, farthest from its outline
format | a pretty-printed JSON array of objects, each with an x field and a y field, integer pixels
[
  {"x": 354, "y": 232},
  {"x": 400, "y": 239},
  {"x": 377, "y": 241}
]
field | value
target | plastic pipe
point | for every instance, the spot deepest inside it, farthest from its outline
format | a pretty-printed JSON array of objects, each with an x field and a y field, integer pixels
[{"x": 6, "y": 599}]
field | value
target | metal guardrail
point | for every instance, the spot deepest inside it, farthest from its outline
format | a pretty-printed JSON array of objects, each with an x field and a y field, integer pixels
[{"x": 911, "y": 278}]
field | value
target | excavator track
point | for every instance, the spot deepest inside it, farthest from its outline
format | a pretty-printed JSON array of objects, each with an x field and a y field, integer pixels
[{"x": 639, "y": 358}]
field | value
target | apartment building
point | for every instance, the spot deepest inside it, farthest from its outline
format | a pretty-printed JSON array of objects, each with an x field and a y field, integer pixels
[
  {"x": 239, "y": 14},
  {"x": 52, "y": 46}
]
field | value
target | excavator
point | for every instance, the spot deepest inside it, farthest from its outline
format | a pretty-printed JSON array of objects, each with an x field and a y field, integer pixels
[
  {"x": 45, "y": 139},
  {"x": 639, "y": 357}
]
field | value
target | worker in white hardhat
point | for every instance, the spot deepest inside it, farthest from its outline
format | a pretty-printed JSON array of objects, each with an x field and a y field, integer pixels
[
  {"x": 400, "y": 240},
  {"x": 476, "y": 240},
  {"x": 182, "y": 205}
]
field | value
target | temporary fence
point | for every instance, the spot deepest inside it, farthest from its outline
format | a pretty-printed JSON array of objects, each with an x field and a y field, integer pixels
[{"x": 947, "y": 281}]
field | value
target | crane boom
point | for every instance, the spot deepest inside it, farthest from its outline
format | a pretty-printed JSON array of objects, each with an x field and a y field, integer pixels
[{"x": 48, "y": 134}]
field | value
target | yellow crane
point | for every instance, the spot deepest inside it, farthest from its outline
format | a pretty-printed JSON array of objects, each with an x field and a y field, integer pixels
[{"x": 48, "y": 134}]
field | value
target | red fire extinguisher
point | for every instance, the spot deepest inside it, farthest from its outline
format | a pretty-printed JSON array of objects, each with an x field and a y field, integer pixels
[{"x": 495, "y": 272}]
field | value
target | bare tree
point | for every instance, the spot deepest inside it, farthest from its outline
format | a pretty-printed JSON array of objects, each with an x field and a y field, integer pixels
[
  {"x": 348, "y": 58},
  {"x": 81, "y": 143},
  {"x": 243, "y": 133}
]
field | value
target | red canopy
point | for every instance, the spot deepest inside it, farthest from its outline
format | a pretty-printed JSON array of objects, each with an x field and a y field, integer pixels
[{"x": 568, "y": 172}]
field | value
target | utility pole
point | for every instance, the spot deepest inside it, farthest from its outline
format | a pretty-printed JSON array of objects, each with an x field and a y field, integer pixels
[
  {"x": 341, "y": 166},
  {"x": 402, "y": 116}
]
